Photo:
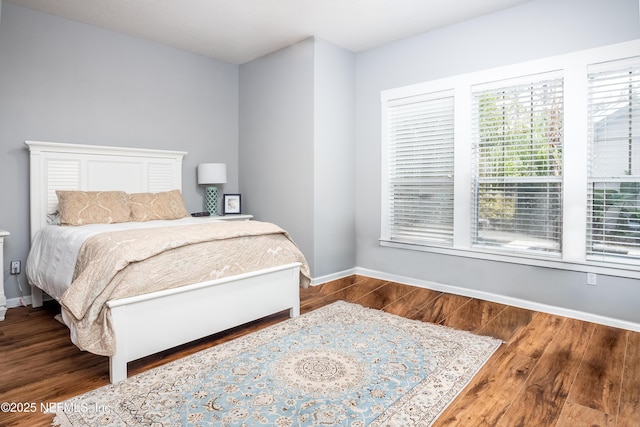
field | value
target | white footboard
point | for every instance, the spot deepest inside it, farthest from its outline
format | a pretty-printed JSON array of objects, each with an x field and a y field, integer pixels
[{"x": 150, "y": 323}]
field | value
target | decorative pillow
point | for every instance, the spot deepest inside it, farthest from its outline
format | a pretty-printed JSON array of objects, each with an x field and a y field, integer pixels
[
  {"x": 153, "y": 206},
  {"x": 93, "y": 207}
]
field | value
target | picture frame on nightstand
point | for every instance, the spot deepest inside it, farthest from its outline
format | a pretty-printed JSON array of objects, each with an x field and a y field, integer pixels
[{"x": 231, "y": 204}]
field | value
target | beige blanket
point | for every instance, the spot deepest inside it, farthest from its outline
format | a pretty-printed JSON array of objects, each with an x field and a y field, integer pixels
[{"x": 120, "y": 264}]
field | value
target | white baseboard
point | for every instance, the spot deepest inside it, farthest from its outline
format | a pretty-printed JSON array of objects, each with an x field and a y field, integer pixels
[
  {"x": 502, "y": 299},
  {"x": 334, "y": 276},
  {"x": 18, "y": 302}
]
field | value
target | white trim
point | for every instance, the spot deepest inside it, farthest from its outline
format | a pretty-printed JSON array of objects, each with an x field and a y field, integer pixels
[
  {"x": 487, "y": 296},
  {"x": 574, "y": 227},
  {"x": 195, "y": 286},
  {"x": 17, "y": 302},
  {"x": 316, "y": 281},
  {"x": 63, "y": 147}
]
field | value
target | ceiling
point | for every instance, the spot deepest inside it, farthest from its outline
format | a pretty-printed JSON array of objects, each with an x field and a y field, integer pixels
[{"x": 238, "y": 31}]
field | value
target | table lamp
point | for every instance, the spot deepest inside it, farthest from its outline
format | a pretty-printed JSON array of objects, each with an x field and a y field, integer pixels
[{"x": 210, "y": 174}]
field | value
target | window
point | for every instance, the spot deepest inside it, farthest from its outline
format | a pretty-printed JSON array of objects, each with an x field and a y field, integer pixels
[
  {"x": 614, "y": 160},
  {"x": 517, "y": 152},
  {"x": 546, "y": 156},
  {"x": 420, "y": 155}
]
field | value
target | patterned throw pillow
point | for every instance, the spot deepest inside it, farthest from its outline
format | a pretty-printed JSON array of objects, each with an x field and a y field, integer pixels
[
  {"x": 93, "y": 207},
  {"x": 154, "y": 206}
]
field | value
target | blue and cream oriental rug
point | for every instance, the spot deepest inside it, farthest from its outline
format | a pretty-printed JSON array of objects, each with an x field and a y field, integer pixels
[{"x": 340, "y": 365}]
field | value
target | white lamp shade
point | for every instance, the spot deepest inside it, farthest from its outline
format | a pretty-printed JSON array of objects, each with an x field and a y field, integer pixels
[{"x": 212, "y": 173}]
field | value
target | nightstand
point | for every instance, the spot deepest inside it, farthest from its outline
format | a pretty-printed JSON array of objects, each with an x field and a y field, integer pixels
[{"x": 3, "y": 299}]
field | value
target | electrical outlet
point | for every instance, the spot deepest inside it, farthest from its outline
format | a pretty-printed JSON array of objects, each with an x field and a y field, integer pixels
[
  {"x": 15, "y": 267},
  {"x": 592, "y": 279}
]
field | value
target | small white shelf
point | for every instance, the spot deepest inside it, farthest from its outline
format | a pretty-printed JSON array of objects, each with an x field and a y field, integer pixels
[{"x": 233, "y": 217}]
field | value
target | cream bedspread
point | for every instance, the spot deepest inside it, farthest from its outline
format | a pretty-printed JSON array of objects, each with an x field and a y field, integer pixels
[{"x": 120, "y": 264}]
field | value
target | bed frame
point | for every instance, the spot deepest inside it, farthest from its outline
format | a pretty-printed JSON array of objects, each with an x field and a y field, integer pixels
[{"x": 150, "y": 323}]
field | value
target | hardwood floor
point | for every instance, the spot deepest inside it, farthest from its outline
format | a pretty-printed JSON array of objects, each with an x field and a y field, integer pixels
[{"x": 551, "y": 370}]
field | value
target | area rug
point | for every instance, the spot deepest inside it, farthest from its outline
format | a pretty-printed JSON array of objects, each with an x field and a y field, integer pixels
[{"x": 340, "y": 365}]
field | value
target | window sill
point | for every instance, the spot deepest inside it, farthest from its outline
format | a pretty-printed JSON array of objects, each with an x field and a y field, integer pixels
[{"x": 611, "y": 267}]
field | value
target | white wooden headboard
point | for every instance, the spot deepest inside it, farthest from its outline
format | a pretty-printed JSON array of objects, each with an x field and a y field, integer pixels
[{"x": 59, "y": 166}]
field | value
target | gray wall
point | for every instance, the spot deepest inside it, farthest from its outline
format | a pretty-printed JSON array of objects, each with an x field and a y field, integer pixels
[
  {"x": 533, "y": 30},
  {"x": 64, "y": 81},
  {"x": 297, "y": 148},
  {"x": 334, "y": 154},
  {"x": 276, "y": 141}
]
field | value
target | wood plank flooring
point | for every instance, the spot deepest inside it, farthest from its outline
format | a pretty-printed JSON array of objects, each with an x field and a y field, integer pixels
[{"x": 551, "y": 370}]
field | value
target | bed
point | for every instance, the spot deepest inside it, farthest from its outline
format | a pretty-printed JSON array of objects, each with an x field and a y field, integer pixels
[{"x": 166, "y": 293}]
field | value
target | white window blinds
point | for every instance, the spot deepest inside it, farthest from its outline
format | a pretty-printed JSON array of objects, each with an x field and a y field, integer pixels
[
  {"x": 517, "y": 159},
  {"x": 420, "y": 163},
  {"x": 614, "y": 160}
]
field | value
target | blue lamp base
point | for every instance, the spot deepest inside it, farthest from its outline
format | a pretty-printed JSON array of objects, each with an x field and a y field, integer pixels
[{"x": 211, "y": 200}]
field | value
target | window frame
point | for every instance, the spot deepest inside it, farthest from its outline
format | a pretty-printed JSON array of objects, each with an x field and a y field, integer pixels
[{"x": 573, "y": 68}]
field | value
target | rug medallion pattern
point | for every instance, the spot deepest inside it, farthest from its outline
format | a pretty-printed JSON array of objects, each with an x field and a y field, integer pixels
[{"x": 341, "y": 365}]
